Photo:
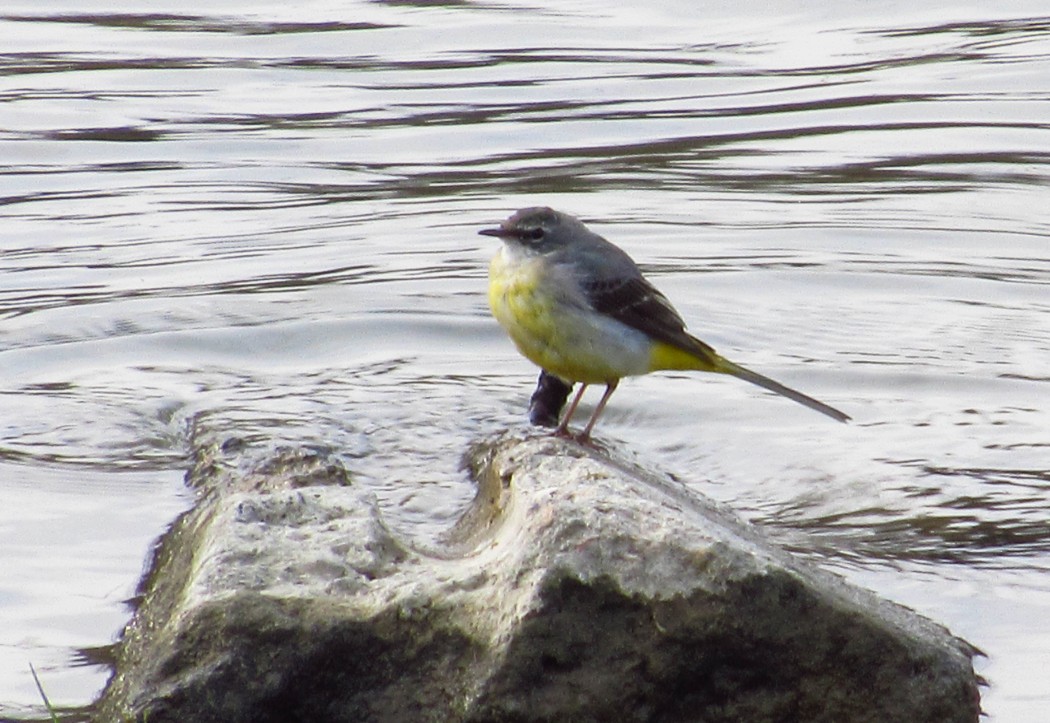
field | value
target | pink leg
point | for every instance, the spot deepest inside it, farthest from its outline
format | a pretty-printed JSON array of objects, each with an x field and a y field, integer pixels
[
  {"x": 563, "y": 428},
  {"x": 609, "y": 389}
]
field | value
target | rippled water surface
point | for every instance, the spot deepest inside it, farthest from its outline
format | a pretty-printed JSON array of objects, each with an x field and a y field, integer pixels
[{"x": 264, "y": 217}]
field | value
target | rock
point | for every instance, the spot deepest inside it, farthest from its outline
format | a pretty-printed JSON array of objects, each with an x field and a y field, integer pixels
[{"x": 575, "y": 588}]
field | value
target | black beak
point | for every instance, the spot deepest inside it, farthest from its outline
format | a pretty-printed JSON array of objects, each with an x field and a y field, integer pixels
[{"x": 497, "y": 232}]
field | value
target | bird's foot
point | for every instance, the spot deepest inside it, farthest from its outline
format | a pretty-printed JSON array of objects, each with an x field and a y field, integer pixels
[{"x": 578, "y": 437}]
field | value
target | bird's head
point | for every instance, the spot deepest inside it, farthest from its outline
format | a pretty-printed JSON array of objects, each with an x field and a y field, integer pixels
[{"x": 537, "y": 230}]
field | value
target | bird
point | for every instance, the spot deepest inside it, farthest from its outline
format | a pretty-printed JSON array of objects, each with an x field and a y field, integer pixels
[{"x": 578, "y": 307}]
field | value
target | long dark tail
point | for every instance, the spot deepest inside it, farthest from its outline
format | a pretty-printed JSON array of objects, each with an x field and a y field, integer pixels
[{"x": 727, "y": 367}]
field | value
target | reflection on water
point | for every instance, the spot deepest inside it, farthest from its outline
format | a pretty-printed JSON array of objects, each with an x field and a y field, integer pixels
[{"x": 264, "y": 219}]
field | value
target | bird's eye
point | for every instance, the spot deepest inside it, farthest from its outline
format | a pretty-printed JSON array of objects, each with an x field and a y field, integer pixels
[{"x": 534, "y": 234}]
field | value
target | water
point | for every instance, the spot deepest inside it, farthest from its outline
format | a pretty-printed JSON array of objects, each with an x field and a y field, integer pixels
[{"x": 264, "y": 217}]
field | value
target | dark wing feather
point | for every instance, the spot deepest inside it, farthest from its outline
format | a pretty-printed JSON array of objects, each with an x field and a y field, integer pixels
[
  {"x": 638, "y": 304},
  {"x": 633, "y": 301}
]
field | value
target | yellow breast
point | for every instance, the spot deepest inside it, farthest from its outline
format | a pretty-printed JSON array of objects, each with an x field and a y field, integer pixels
[
  {"x": 555, "y": 329},
  {"x": 522, "y": 309}
]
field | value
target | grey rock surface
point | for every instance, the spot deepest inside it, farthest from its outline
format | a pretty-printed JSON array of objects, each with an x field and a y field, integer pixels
[{"x": 575, "y": 588}]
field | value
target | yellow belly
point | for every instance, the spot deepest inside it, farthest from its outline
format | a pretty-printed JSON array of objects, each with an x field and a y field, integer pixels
[{"x": 556, "y": 332}]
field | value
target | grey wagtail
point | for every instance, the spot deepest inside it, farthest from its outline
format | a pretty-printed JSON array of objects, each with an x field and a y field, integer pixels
[{"x": 578, "y": 307}]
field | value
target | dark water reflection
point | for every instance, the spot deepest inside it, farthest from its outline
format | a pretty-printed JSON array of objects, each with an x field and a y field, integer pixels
[{"x": 263, "y": 220}]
